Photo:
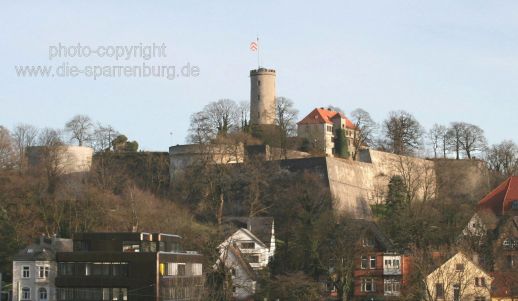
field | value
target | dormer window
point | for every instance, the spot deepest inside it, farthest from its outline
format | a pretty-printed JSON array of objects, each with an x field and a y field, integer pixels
[
  {"x": 367, "y": 242},
  {"x": 247, "y": 245}
]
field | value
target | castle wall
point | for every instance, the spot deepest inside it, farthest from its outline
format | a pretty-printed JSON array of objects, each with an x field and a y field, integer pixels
[
  {"x": 356, "y": 185},
  {"x": 181, "y": 156},
  {"x": 69, "y": 159}
]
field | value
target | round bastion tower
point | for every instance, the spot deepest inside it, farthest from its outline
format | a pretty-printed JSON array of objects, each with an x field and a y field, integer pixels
[{"x": 262, "y": 96}]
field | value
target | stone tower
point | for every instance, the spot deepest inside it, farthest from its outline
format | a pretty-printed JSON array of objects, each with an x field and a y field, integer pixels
[{"x": 262, "y": 96}]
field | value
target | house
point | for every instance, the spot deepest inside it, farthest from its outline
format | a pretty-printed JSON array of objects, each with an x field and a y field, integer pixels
[
  {"x": 34, "y": 269},
  {"x": 247, "y": 250},
  {"x": 504, "y": 286},
  {"x": 380, "y": 271},
  {"x": 129, "y": 266},
  {"x": 459, "y": 278},
  {"x": 503, "y": 200},
  {"x": 495, "y": 224},
  {"x": 320, "y": 128}
]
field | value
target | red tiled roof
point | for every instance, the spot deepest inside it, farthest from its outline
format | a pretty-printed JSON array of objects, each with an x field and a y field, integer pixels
[
  {"x": 504, "y": 284},
  {"x": 321, "y": 115},
  {"x": 499, "y": 199}
]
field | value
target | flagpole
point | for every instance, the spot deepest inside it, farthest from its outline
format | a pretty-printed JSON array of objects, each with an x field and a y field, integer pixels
[{"x": 258, "y": 49}]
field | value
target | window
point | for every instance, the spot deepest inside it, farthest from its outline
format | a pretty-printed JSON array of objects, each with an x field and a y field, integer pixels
[
  {"x": 510, "y": 261},
  {"x": 392, "y": 263},
  {"x": 456, "y": 292},
  {"x": 252, "y": 258},
  {"x": 26, "y": 271},
  {"x": 367, "y": 242},
  {"x": 181, "y": 269},
  {"x": 43, "y": 272},
  {"x": 368, "y": 285},
  {"x": 120, "y": 269},
  {"x": 480, "y": 281},
  {"x": 81, "y": 245},
  {"x": 119, "y": 294},
  {"x": 439, "y": 290},
  {"x": 373, "y": 262},
  {"x": 247, "y": 245},
  {"x": 130, "y": 246},
  {"x": 392, "y": 286},
  {"x": 364, "y": 262},
  {"x": 514, "y": 205},
  {"x": 26, "y": 293},
  {"x": 480, "y": 298},
  {"x": 459, "y": 267},
  {"x": 66, "y": 268},
  {"x": 258, "y": 82},
  {"x": 42, "y": 292},
  {"x": 197, "y": 269}
]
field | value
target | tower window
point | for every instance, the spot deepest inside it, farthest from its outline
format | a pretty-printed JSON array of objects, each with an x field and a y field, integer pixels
[{"x": 258, "y": 82}]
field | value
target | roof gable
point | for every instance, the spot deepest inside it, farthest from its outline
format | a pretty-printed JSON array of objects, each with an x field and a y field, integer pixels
[
  {"x": 325, "y": 116},
  {"x": 455, "y": 259},
  {"x": 243, "y": 234},
  {"x": 500, "y": 199}
]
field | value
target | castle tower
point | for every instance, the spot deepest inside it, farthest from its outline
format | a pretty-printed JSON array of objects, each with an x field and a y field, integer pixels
[{"x": 262, "y": 96}]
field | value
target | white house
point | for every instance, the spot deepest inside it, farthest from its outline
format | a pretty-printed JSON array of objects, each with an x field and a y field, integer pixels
[
  {"x": 35, "y": 268},
  {"x": 246, "y": 250},
  {"x": 458, "y": 279}
]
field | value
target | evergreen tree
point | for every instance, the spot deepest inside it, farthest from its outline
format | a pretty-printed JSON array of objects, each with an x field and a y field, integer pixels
[
  {"x": 341, "y": 144},
  {"x": 396, "y": 196}
]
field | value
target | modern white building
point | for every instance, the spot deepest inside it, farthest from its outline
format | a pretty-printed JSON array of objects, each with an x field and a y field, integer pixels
[
  {"x": 247, "y": 250},
  {"x": 35, "y": 268}
]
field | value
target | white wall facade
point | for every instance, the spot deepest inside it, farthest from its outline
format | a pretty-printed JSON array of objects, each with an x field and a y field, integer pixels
[{"x": 35, "y": 281}]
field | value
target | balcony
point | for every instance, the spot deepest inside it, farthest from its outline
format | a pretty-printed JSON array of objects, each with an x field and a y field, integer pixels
[{"x": 391, "y": 265}]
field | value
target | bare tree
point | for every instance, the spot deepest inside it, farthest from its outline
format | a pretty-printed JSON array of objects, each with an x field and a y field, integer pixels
[
  {"x": 365, "y": 130},
  {"x": 102, "y": 137},
  {"x": 24, "y": 136},
  {"x": 454, "y": 135},
  {"x": 472, "y": 139},
  {"x": 6, "y": 149},
  {"x": 403, "y": 133},
  {"x": 243, "y": 109},
  {"x": 201, "y": 130},
  {"x": 438, "y": 138},
  {"x": 51, "y": 155},
  {"x": 285, "y": 119},
  {"x": 80, "y": 127},
  {"x": 503, "y": 158},
  {"x": 222, "y": 115}
]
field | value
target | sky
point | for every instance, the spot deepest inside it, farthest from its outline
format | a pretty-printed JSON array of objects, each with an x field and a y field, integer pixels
[{"x": 442, "y": 61}]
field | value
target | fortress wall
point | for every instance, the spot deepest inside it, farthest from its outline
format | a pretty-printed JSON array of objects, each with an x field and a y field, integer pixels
[
  {"x": 70, "y": 159},
  {"x": 181, "y": 156},
  {"x": 352, "y": 186},
  {"x": 357, "y": 185},
  {"x": 462, "y": 179}
]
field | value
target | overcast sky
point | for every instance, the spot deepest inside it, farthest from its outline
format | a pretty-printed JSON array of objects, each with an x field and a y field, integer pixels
[{"x": 440, "y": 60}]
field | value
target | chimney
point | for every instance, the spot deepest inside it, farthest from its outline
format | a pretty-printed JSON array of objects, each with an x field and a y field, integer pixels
[
  {"x": 249, "y": 225},
  {"x": 475, "y": 258}
]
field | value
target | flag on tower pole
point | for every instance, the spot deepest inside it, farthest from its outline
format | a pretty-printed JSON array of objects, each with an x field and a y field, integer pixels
[{"x": 254, "y": 46}]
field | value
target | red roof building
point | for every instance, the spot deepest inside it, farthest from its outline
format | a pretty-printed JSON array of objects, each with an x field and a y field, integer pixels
[
  {"x": 321, "y": 115},
  {"x": 503, "y": 199},
  {"x": 320, "y": 126}
]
